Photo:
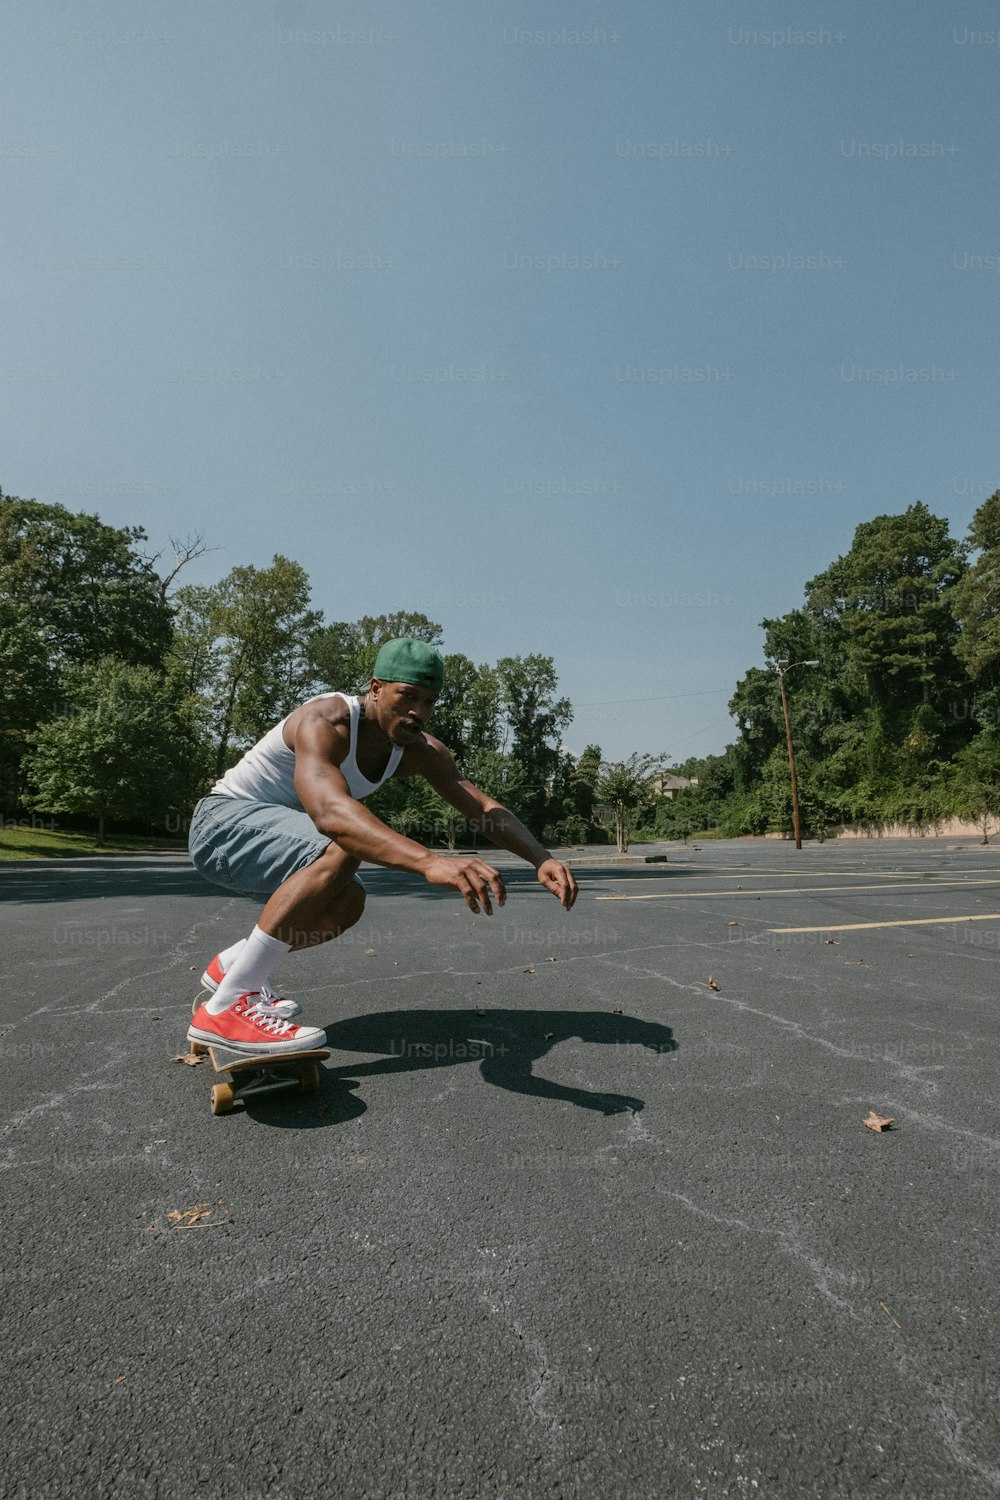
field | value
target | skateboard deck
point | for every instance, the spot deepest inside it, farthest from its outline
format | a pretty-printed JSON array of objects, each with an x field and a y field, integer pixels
[{"x": 254, "y": 1074}]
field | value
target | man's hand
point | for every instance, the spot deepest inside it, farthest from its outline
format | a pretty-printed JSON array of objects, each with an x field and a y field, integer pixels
[
  {"x": 473, "y": 877},
  {"x": 559, "y": 880}
]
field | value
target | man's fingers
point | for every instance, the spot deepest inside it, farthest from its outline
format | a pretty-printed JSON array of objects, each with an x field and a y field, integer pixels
[
  {"x": 561, "y": 883},
  {"x": 493, "y": 880},
  {"x": 476, "y": 886}
]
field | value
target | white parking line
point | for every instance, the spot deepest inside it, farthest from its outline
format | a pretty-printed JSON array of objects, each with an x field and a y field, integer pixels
[{"x": 802, "y": 890}]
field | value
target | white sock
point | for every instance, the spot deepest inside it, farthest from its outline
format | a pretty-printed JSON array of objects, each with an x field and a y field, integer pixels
[{"x": 251, "y": 969}]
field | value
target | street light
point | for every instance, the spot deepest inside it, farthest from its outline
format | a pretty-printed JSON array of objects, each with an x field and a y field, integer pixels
[{"x": 782, "y": 665}]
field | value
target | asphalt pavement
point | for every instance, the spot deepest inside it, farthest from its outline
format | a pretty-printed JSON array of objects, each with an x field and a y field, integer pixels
[{"x": 565, "y": 1217}]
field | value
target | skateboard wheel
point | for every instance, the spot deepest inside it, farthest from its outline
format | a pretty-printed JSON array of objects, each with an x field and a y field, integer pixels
[
  {"x": 309, "y": 1077},
  {"x": 223, "y": 1098}
]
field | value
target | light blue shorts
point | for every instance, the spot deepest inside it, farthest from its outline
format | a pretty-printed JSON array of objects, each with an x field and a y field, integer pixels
[{"x": 251, "y": 847}]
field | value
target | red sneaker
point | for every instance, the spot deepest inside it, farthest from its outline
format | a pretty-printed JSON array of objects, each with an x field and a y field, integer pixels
[
  {"x": 253, "y": 1024},
  {"x": 215, "y": 974}
]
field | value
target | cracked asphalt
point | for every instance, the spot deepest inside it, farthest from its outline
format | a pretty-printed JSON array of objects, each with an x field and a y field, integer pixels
[{"x": 562, "y": 1220}]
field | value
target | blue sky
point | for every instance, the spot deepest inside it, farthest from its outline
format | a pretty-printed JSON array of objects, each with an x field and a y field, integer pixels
[{"x": 588, "y": 330}]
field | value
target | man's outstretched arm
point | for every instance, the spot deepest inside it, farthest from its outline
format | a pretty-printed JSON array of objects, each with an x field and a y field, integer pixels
[{"x": 496, "y": 822}]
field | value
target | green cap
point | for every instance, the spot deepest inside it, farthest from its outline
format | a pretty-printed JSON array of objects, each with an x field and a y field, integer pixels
[{"x": 406, "y": 660}]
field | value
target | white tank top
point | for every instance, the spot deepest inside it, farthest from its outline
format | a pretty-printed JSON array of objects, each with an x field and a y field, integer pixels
[{"x": 267, "y": 771}]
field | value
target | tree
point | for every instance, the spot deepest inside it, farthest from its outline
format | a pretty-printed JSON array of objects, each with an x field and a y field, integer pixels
[
  {"x": 560, "y": 806},
  {"x": 89, "y": 591},
  {"x": 243, "y": 649},
  {"x": 584, "y": 783},
  {"x": 485, "y": 711},
  {"x": 674, "y": 818},
  {"x": 192, "y": 662},
  {"x": 28, "y": 678},
  {"x": 184, "y": 552},
  {"x": 124, "y": 748},
  {"x": 875, "y": 724},
  {"x": 977, "y": 785},
  {"x": 450, "y": 720},
  {"x": 890, "y": 596},
  {"x": 499, "y": 776},
  {"x": 975, "y": 601},
  {"x": 71, "y": 590},
  {"x": 756, "y": 707},
  {"x": 534, "y": 718},
  {"x": 627, "y": 787}
]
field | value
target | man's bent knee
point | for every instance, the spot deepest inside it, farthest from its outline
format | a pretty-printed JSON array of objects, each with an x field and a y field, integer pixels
[{"x": 350, "y": 904}]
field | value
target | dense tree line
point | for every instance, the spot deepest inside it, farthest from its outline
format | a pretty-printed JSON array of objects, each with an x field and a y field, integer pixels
[
  {"x": 900, "y": 719},
  {"x": 123, "y": 697},
  {"x": 124, "y": 694}
]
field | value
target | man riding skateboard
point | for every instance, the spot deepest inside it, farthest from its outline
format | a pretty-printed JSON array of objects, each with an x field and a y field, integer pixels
[{"x": 286, "y": 824}]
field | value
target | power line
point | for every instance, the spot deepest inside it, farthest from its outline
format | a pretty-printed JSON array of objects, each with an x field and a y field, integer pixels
[{"x": 718, "y": 724}]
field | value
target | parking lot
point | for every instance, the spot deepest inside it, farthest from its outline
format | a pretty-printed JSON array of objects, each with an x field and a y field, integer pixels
[{"x": 565, "y": 1218}]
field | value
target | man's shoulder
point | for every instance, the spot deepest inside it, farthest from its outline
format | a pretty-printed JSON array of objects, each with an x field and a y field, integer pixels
[
  {"x": 332, "y": 708},
  {"x": 426, "y": 756}
]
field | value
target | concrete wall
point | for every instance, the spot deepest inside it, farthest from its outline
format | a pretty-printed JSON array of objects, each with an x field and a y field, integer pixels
[{"x": 947, "y": 828}]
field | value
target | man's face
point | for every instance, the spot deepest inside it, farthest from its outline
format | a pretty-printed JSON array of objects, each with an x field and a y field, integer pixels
[{"x": 403, "y": 709}]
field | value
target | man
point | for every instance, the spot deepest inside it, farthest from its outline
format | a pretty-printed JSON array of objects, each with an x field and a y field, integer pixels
[{"x": 286, "y": 824}]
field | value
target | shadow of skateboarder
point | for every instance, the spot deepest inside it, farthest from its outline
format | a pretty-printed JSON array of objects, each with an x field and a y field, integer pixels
[{"x": 505, "y": 1044}]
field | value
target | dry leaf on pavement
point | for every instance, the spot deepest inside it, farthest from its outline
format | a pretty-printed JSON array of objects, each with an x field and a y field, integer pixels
[
  {"x": 195, "y": 1217},
  {"x": 191, "y": 1058},
  {"x": 877, "y": 1122},
  {"x": 711, "y": 983},
  {"x": 889, "y": 1315},
  {"x": 187, "y": 1216}
]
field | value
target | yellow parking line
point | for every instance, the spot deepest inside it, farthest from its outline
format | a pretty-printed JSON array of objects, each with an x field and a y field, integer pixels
[
  {"x": 993, "y": 916},
  {"x": 800, "y": 890}
]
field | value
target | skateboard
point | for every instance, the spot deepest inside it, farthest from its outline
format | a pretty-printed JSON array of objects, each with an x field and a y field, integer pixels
[
  {"x": 251, "y": 1075},
  {"x": 264, "y": 1073}
]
